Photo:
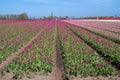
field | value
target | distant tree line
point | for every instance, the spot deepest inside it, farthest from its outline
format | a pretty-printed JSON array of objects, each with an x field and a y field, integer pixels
[
  {"x": 55, "y": 17},
  {"x": 101, "y": 17},
  {"x": 22, "y": 16}
]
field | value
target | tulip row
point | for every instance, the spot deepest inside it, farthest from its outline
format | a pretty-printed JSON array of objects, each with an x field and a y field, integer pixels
[
  {"x": 112, "y": 31},
  {"x": 106, "y": 34},
  {"x": 108, "y": 49},
  {"x": 80, "y": 59},
  {"x": 9, "y": 46},
  {"x": 36, "y": 57},
  {"x": 109, "y": 37},
  {"x": 10, "y": 30},
  {"x": 110, "y": 26}
]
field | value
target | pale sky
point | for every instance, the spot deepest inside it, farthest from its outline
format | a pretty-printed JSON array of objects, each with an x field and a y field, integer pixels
[{"x": 61, "y": 7}]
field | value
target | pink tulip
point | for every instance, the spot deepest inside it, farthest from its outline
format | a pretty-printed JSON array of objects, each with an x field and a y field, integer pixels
[
  {"x": 102, "y": 65},
  {"x": 20, "y": 62}
]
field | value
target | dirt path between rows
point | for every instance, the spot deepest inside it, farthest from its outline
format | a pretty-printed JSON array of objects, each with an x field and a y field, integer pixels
[{"x": 58, "y": 72}]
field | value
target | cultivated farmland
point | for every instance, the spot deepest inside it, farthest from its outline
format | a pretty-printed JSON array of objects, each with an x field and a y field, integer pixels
[{"x": 59, "y": 50}]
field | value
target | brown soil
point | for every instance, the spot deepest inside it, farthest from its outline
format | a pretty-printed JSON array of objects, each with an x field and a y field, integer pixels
[
  {"x": 9, "y": 76},
  {"x": 98, "y": 78},
  {"x": 58, "y": 71}
]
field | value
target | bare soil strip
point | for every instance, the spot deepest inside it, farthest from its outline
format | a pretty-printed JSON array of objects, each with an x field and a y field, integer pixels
[
  {"x": 9, "y": 60},
  {"x": 58, "y": 72},
  {"x": 98, "y": 78}
]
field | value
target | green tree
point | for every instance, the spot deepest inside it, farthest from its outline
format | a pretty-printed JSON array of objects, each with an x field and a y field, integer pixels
[{"x": 23, "y": 16}]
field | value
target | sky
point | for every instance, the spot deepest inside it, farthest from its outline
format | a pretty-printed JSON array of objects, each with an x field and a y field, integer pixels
[{"x": 72, "y": 8}]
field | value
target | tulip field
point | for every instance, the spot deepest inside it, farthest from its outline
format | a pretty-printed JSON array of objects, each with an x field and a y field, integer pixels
[{"x": 86, "y": 48}]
